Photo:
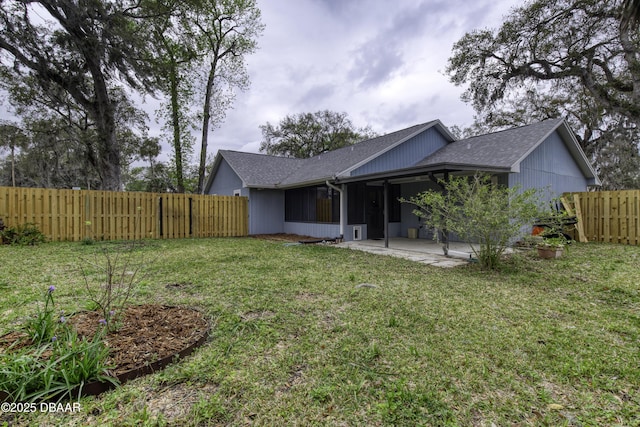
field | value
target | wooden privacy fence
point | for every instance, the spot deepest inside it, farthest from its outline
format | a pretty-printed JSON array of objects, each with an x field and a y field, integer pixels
[
  {"x": 610, "y": 216},
  {"x": 112, "y": 215}
]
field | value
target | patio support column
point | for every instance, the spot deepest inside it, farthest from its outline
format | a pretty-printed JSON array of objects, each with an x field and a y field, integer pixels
[
  {"x": 445, "y": 232},
  {"x": 343, "y": 209},
  {"x": 386, "y": 213}
]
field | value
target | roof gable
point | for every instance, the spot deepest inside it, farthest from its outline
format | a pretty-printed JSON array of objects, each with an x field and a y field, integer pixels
[
  {"x": 256, "y": 170},
  {"x": 343, "y": 161},
  {"x": 404, "y": 155},
  {"x": 507, "y": 149},
  {"x": 501, "y": 150}
]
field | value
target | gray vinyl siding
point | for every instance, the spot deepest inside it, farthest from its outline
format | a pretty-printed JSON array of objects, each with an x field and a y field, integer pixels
[
  {"x": 409, "y": 219},
  {"x": 266, "y": 207},
  {"x": 266, "y": 211},
  {"x": 550, "y": 168},
  {"x": 406, "y": 154},
  {"x": 319, "y": 230},
  {"x": 226, "y": 181}
]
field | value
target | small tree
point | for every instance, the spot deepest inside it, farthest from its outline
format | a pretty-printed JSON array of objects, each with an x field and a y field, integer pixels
[{"x": 479, "y": 212}]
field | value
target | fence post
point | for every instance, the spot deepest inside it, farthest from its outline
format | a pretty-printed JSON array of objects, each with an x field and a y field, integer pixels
[{"x": 63, "y": 214}]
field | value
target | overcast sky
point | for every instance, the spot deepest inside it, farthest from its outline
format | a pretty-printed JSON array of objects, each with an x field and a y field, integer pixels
[{"x": 379, "y": 61}]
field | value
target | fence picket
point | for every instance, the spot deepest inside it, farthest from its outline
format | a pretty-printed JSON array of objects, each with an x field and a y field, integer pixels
[
  {"x": 108, "y": 215},
  {"x": 611, "y": 216}
]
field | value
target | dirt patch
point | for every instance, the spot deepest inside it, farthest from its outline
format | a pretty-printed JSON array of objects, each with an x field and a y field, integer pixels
[
  {"x": 295, "y": 377},
  {"x": 257, "y": 315},
  {"x": 308, "y": 297},
  {"x": 176, "y": 401}
]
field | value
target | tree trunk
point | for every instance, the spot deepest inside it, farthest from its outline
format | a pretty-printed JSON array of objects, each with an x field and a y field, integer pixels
[
  {"x": 103, "y": 111},
  {"x": 13, "y": 166},
  {"x": 175, "y": 121},
  {"x": 206, "y": 117},
  {"x": 108, "y": 159}
]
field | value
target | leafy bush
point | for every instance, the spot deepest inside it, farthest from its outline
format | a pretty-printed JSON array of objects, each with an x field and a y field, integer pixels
[
  {"x": 25, "y": 234},
  {"x": 57, "y": 370},
  {"x": 57, "y": 364},
  {"x": 479, "y": 212}
]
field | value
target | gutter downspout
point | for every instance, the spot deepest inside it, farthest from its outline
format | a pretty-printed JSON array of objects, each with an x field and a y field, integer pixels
[{"x": 342, "y": 204}]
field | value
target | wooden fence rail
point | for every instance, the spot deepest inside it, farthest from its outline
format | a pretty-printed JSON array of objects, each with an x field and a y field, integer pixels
[
  {"x": 110, "y": 215},
  {"x": 611, "y": 216}
]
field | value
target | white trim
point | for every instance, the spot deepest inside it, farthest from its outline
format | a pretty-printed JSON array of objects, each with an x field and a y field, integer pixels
[{"x": 342, "y": 192}]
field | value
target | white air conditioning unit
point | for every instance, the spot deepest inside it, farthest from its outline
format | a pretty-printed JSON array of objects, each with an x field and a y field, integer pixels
[{"x": 357, "y": 232}]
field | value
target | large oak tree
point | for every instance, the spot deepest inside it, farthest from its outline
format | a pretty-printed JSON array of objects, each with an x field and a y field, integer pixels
[
  {"x": 76, "y": 53},
  {"x": 573, "y": 58}
]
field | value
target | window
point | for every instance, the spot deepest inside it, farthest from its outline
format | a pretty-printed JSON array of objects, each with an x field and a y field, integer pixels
[
  {"x": 356, "y": 203},
  {"x": 362, "y": 197},
  {"x": 312, "y": 204}
]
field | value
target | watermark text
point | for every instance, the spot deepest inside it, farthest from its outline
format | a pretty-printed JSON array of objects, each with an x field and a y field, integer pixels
[{"x": 20, "y": 407}]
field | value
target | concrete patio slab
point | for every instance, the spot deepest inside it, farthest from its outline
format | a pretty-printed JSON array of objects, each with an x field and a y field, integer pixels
[{"x": 418, "y": 250}]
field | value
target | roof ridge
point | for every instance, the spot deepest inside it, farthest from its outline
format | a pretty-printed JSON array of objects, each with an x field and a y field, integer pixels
[
  {"x": 292, "y": 170},
  {"x": 259, "y": 154},
  {"x": 557, "y": 119}
]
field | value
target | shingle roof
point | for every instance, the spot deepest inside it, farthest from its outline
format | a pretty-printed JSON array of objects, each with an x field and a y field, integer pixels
[
  {"x": 260, "y": 170},
  {"x": 500, "y": 150},
  {"x": 497, "y": 151},
  {"x": 330, "y": 164}
]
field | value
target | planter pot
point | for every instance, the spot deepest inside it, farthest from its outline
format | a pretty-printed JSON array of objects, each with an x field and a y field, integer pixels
[{"x": 549, "y": 252}]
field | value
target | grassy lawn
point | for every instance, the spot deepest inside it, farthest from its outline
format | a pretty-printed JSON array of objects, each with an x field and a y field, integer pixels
[{"x": 295, "y": 341}]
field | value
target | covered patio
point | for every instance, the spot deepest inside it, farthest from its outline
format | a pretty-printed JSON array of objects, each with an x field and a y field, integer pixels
[{"x": 425, "y": 251}]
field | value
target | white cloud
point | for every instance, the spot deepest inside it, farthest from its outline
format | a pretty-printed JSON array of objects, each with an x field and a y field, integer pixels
[{"x": 382, "y": 64}]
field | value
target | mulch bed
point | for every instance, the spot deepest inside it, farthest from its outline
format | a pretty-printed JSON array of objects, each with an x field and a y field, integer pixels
[{"x": 146, "y": 333}]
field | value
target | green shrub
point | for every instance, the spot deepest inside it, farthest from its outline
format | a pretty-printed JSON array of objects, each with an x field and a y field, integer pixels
[
  {"x": 42, "y": 327},
  {"x": 56, "y": 370},
  {"x": 57, "y": 364},
  {"x": 479, "y": 212},
  {"x": 26, "y": 234}
]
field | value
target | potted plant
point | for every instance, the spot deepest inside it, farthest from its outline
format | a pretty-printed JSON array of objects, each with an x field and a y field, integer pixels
[{"x": 551, "y": 247}]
